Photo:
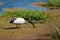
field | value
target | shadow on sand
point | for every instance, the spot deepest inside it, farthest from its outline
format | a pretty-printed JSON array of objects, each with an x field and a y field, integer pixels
[{"x": 12, "y": 28}]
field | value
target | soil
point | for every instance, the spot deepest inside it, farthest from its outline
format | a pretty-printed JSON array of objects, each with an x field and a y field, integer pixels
[{"x": 26, "y": 32}]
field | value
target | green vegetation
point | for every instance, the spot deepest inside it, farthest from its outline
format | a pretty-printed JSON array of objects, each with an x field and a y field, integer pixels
[
  {"x": 55, "y": 24},
  {"x": 55, "y": 3},
  {"x": 56, "y": 35},
  {"x": 31, "y": 14},
  {"x": 52, "y": 4}
]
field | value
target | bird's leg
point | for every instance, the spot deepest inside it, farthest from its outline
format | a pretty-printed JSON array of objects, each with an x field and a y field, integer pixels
[
  {"x": 19, "y": 25},
  {"x": 16, "y": 25}
]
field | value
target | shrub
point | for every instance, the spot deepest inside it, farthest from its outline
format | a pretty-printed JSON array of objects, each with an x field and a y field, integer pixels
[
  {"x": 31, "y": 14},
  {"x": 54, "y": 3}
]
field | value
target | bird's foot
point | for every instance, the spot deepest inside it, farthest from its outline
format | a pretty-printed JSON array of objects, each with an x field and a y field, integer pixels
[{"x": 18, "y": 27}]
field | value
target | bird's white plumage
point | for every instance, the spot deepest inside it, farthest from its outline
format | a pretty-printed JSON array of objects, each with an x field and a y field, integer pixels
[{"x": 19, "y": 21}]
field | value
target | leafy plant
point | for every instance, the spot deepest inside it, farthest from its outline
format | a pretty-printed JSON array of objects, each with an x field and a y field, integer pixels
[
  {"x": 54, "y": 3},
  {"x": 31, "y": 14}
]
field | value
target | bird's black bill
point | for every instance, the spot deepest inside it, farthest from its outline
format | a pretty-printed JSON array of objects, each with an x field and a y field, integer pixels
[{"x": 32, "y": 24}]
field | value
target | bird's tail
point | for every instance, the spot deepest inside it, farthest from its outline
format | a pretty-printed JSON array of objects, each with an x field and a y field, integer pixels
[{"x": 32, "y": 24}]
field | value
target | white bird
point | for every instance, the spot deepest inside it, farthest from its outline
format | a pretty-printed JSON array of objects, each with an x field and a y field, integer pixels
[{"x": 19, "y": 21}]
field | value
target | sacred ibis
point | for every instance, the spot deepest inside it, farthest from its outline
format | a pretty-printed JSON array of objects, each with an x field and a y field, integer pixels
[{"x": 19, "y": 21}]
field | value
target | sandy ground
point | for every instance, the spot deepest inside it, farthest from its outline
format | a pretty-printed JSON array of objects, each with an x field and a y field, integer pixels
[{"x": 26, "y": 32}]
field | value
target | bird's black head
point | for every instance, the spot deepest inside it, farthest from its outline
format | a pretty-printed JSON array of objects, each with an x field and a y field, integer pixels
[{"x": 12, "y": 20}]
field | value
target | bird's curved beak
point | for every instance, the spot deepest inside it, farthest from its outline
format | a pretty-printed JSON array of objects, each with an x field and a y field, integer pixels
[{"x": 31, "y": 23}]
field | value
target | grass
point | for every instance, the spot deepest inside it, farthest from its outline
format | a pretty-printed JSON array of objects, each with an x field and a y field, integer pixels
[
  {"x": 28, "y": 14},
  {"x": 56, "y": 24},
  {"x": 56, "y": 35},
  {"x": 55, "y": 3}
]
